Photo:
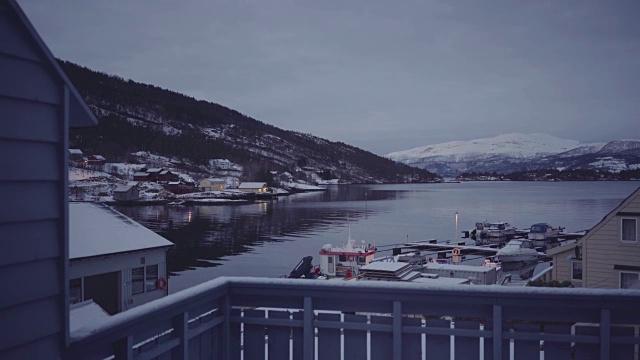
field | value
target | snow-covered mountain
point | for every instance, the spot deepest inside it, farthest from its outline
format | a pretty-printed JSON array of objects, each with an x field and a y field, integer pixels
[{"x": 517, "y": 152}]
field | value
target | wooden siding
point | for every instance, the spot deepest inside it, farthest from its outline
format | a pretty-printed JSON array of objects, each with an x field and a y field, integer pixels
[
  {"x": 30, "y": 121},
  {"x": 562, "y": 267},
  {"x": 26, "y": 277},
  {"x": 33, "y": 240},
  {"x": 603, "y": 249},
  {"x": 28, "y": 80},
  {"x": 32, "y": 139},
  {"x": 25, "y": 324},
  {"x": 12, "y": 38}
]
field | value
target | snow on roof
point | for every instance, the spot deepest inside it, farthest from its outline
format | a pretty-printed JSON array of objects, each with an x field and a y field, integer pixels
[
  {"x": 75, "y": 151},
  {"x": 96, "y": 230},
  {"x": 85, "y": 313},
  {"x": 154, "y": 170},
  {"x": 385, "y": 266},
  {"x": 252, "y": 185},
  {"x": 123, "y": 188},
  {"x": 215, "y": 180},
  {"x": 141, "y": 174},
  {"x": 98, "y": 157}
]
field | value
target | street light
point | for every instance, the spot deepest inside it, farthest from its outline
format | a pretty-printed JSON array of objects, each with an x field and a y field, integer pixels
[{"x": 456, "y": 236}]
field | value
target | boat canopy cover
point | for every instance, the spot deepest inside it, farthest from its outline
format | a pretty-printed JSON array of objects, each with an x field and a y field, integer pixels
[{"x": 539, "y": 227}]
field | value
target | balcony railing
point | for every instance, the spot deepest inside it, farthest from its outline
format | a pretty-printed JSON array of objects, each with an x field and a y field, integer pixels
[{"x": 259, "y": 318}]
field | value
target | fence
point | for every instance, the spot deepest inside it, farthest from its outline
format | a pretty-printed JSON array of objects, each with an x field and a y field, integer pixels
[{"x": 257, "y": 318}]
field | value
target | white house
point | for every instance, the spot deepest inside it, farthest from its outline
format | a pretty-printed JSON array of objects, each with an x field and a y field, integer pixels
[
  {"x": 114, "y": 260},
  {"x": 211, "y": 184},
  {"x": 255, "y": 187},
  {"x": 608, "y": 256}
]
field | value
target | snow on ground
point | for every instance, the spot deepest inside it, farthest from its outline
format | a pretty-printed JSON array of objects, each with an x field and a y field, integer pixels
[
  {"x": 210, "y": 194},
  {"x": 298, "y": 186},
  {"x": 124, "y": 170},
  {"x": 610, "y": 164},
  {"x": 329, "y": 182},
  {"x": 76, "y": 174}
]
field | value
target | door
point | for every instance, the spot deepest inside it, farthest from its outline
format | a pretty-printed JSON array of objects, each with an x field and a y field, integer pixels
[
  {"x": 332, "y": 269},
  {"x": 103, "y": 289}
]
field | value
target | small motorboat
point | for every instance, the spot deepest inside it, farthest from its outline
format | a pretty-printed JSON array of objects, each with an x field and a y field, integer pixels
[
  {"x": 500, "y": 230},
  {"x": 518, "y": 250},
  {"x": 543, "y": 231}
]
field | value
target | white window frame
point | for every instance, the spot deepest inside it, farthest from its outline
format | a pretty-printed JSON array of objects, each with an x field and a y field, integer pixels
[
  {"x": 621, "y": 232},
  {"x": 626, "y": 272},
  {"x": 572, "y": 276},
  {"x": 144, "y": 279}
]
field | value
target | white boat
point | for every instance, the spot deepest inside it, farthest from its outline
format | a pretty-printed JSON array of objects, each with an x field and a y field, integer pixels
[
  {"x": 345, "y": 261},
  {"x": 500, "y": 230},
  {"x": 517, "y": 250},
  {"x": 543, "y": 231}
]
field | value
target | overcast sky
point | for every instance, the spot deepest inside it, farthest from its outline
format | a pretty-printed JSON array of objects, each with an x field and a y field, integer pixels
[{"x": 381, "y": 75}]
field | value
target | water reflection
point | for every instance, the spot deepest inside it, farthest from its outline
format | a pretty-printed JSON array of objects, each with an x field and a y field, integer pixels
[
  {"x": 249, "y": 239},
  {"x": 205, "y": 234}
]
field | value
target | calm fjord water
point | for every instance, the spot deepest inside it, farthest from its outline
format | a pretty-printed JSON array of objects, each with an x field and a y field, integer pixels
[{"x": 269, "y": 238}]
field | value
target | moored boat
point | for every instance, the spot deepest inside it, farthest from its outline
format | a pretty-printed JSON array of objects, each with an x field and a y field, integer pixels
[
  {"x": 500, "y": 230},
  {"x": 543, "y": 231},
  {"x": 345, "y": 261},
  {"x": 518, "y": 250}
]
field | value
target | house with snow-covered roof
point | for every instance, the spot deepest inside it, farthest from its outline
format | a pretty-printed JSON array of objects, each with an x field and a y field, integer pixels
[
  {"x": 113, "y": 260},
  {"x": 75, "y": 154},
  {"x": 211, "y": 184},
  {"x": 126, "y": 193},
  {"x": 254, "y": 187}
]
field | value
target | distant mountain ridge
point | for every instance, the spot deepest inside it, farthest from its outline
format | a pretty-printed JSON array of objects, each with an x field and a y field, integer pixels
[{"x": 521, "y": 152}]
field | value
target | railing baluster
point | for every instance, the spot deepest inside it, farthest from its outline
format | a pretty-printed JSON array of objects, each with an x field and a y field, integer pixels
[
  {"x": 181, "y": 331},
  {"x": 308, "y": 331},
  {"x": 397, "y": 330},
  {"x": 605, "y": 334},
  {"x": 497, "y": 332},
  {"x": 124, "y": 348},
  {"x": 226, "y": 328}
]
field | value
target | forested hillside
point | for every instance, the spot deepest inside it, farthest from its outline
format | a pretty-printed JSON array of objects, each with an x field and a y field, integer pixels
[{"x": 135, "y": 116}]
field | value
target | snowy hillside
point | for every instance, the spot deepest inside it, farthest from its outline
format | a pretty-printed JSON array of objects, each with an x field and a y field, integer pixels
[
  {"x": 518, "y": 152},
  {"x": 513, "y": 145}
]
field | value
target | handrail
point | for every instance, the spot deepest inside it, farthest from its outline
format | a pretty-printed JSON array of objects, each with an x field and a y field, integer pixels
[
  {"x": 217, "y": 304},
  {"x": 541, "y": 275}
]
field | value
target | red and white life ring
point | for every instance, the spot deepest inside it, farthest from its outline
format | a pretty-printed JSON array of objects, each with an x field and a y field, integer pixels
[
  {"x": 456, "y": 251},
  {"x": 161, "y": 283}
]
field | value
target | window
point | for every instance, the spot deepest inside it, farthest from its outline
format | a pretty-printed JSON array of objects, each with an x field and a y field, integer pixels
[
  {"x": 75, "y": 294},
  {"x": 151, "y": 279},
  {"x": 342, "y": 258},
  {"x": 629, "y": 280},
  {"x": 137, "y": 280},
  {"x": 144, "y": 279},
  {"x": 628, "y": 233},
  {"x": 576, "y": 270}
]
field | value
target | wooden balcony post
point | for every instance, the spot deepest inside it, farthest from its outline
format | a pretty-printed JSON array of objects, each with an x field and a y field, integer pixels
[
  {"x": 308, "y": 332},
  {"x": 497, "y": 332},
  {"x": 181, "y": 331},
  {"x": 226, "y": 328},
  {"x": 124, "y": 348},
  {"x": 397, "y": 330},
  {"x": 605, "y": 334}
]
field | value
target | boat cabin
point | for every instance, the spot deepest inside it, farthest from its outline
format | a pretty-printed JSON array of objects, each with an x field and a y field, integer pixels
[{"x": 345, "y": 261}]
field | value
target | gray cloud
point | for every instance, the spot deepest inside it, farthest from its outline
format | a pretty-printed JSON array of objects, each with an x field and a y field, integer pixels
[{"x": 374, "y": 74}]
